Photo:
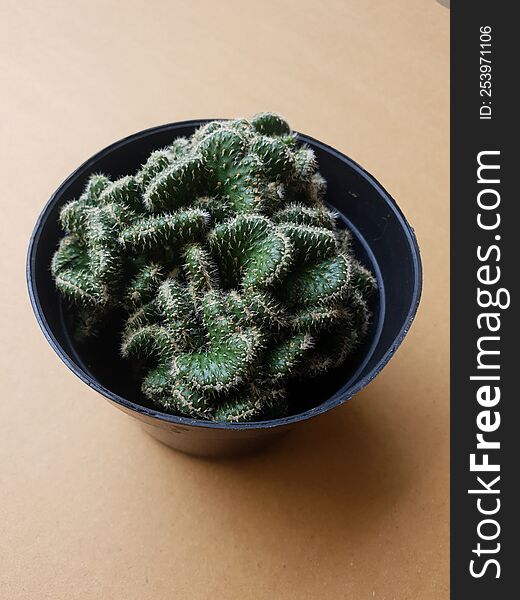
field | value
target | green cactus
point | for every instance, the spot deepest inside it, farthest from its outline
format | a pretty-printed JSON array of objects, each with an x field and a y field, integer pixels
[{"x": 234, "y": 275}]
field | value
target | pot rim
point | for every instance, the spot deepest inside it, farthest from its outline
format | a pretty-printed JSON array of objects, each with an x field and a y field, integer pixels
[{"x": 337, "y": 399}]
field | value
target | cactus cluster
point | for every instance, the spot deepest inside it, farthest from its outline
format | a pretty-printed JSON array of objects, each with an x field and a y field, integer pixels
[{"x": 233, "y": 274}]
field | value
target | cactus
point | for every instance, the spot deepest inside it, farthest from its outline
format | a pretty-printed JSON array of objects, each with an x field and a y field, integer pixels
[{"x": 233, "y": 274}]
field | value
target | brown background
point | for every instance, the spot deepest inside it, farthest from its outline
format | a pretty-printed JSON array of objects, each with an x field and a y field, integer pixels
[{"x": 352, "y": 505}]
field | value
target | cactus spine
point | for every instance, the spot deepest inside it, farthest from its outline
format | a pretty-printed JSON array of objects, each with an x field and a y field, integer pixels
[{"x": 234, "y": 275}]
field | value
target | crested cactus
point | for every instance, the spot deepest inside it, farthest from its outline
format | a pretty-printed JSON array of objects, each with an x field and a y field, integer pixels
[{"x": 233, "y": 274}]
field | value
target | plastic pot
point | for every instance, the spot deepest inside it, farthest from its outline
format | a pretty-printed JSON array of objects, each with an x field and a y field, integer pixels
[{"x": 384, "y": 242}]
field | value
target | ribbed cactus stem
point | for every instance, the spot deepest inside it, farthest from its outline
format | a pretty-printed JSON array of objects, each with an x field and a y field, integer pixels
[{"x": 234, "y": 276}]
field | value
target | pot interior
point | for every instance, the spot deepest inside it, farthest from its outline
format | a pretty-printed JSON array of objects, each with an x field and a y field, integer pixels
[{"x": 383, "y": 242}]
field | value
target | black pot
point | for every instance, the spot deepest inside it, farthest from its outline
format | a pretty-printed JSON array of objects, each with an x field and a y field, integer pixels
[{"x": 384, "y": 242}]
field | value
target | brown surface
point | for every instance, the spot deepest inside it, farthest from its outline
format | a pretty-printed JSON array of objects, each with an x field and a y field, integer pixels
[{"x": 352, "y": 505}]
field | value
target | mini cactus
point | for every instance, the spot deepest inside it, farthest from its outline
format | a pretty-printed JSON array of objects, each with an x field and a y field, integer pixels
[{"x": 233, "y": 274}]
